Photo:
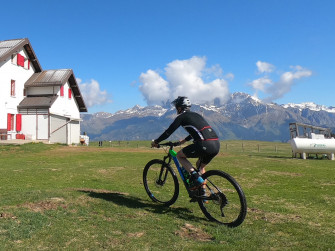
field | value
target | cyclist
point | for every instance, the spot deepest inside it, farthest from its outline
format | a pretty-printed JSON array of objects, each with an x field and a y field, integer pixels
[{"x": 206, "y": 143}]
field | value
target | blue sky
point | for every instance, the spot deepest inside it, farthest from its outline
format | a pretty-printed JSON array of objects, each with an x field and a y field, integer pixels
[{"x": 129, "y": 52}]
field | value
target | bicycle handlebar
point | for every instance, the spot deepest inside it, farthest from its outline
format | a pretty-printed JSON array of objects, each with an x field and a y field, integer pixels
[{"x": 170, "y": 144}]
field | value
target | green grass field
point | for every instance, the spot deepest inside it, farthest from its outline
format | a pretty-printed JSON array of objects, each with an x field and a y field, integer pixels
[{"x": 56, "y": 197}]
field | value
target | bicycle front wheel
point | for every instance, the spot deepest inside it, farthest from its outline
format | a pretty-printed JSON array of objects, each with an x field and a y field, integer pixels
[
  {"x": 160, "y": 182},
  {"x": 224, "y": 201}
]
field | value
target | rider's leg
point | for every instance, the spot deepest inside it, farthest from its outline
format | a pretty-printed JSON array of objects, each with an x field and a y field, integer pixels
[
  {"x": 187, "y": 164},
  {"x": 196, "y": 180},
  {"x": 201, "y": 166},
  {"x": 184, "y": 161},
  {"x": 201, "y": 192}
]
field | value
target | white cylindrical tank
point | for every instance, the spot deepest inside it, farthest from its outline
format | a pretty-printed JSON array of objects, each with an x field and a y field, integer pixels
[{"x": 305, "y": 146}]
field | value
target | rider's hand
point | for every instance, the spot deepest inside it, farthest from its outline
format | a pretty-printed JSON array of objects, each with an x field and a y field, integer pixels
[{"x": 154, "y": 144}]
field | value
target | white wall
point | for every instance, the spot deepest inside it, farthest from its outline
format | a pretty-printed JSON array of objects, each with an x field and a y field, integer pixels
[
  {"x": 9, "y": 71},
  {"x": 29, "y": 126},
  {"x": 35, "y": 127},
  {"x": 74, "y": 131},
  {"x": 59, "y": 136},
  {"x": 42, "y": 127},
  {"x": 64, "y": 106},
  {"x": 42, "y": 90}
]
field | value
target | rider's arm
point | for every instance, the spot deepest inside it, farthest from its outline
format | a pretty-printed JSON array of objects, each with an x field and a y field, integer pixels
[{"x": 175, "y": 124}]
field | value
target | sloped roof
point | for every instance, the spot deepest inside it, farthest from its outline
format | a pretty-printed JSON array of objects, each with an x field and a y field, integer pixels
[
  {"x": 49, "y": 78},
  {"x": 57, "y": 78},
  {"x": 9, "y": 47},
  {"x": 37, "y": 102}
]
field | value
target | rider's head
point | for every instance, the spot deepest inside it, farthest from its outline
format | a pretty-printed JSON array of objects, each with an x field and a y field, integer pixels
[{"x": 181, "y": 104}]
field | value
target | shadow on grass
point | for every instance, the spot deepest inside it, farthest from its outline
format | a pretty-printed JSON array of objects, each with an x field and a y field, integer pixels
[
  {"x": 123, "y": 199},
  {"x": 322, "y": 157},
  {"x": 278, "y": 157},
  {"x": 271, "y": 156}
]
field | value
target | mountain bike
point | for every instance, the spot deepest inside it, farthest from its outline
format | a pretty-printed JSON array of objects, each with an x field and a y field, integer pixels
[{"x": 223, "y": 202}]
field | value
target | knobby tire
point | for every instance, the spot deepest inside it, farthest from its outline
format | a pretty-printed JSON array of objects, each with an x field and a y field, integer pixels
[
  {"x": 160, "y": 182},
  {"x": 226, "y": 203}
]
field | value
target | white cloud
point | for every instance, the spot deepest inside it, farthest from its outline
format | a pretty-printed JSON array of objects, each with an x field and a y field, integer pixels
[
  {"x": 229, "y": 76},
  {"x": 185, "y": 78},
  {"x": 286, "y": 81},
  {"x": 206, "y": 85},
  {"x": 277, "y": 89},
  {"x": 215, "y": 71},
  {"x": 154, "y": 89},
  {"x": 92, "y": 93},
  {"x": 260, "y": 84},
  {"x": 264, "y": 67}
]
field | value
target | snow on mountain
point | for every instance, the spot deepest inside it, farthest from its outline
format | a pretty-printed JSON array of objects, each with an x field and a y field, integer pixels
[
  {"x": 103, "y": 115},
  {"x": 311, "y": 106},
  {"x": 237, "y": 99},
  {"x": 144, "y": 111},
  {"x": 210, "y": 108},
  {"x": 241, "y": 117}
]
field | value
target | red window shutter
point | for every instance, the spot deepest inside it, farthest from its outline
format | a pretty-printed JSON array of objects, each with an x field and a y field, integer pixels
[
  {"x": 9, "y": 122},
  {"x": 62, "y": 91},
  {"x": 28, "y": 64},
  {"x": 70, "y": 93},
  {"x": 18, "y": 122},
  {"x": 18, "y": 57},
  {"x": 20, "y": 60}
]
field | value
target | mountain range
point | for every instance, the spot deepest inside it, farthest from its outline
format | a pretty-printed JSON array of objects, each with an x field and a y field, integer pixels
[{"x": 243, "y": 117}]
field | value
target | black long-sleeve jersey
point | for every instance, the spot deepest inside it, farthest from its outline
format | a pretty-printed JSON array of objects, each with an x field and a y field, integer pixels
[{"x": 194, "y": 124}]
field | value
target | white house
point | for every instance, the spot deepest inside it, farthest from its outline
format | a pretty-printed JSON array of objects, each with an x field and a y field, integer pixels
[{"x": 37, "y": 104}]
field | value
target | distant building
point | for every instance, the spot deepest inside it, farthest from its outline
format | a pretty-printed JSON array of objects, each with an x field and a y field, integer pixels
[{"x": 37, "y": 104}]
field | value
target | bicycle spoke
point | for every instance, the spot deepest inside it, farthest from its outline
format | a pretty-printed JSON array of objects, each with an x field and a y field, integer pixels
[
  {"x": 160, "y": 182},
  {"x": 225, "y": 202}
]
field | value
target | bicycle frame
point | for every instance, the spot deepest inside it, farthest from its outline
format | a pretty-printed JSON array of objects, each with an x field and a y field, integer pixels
[
  {"x": 173, "y": 155},
  {"x": 226, "y": 193}
]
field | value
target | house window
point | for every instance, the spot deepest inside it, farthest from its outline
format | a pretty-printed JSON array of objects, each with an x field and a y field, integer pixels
[
  {"x": 70, "y": 93},
  {"x": 62, "y": 91},
  {"x": 27, "y": 64},
  {"x": 12, "y": 88},
  {"x": 14, "y": 59},
  {"x": 10, "y": 122}
]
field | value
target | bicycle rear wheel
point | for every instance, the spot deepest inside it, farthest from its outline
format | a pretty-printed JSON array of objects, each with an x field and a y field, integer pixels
[
  {"x": 224, "y": 201},
  {"x": 160, "y": 182}
]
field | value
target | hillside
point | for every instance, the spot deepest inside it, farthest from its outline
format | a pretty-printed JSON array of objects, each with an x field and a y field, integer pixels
[{"x": 242, "y": 117}]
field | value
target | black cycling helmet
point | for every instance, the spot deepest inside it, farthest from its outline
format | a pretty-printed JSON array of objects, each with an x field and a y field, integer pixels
[{"x": 182, "y": 102}]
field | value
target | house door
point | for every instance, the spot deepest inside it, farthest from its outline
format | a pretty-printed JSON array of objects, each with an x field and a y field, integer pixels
[
  {"x": 42, "y": 127},
  {"x": 58, "y": 131}
]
